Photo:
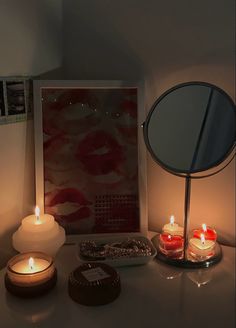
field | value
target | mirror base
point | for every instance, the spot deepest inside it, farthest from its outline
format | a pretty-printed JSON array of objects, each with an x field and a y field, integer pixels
[{"x": 189, "y": 262}]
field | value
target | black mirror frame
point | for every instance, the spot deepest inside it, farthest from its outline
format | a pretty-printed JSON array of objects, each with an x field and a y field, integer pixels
[{"x": 181, "y": 173}]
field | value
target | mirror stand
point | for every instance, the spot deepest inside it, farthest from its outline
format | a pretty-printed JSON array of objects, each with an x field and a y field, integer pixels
[
  {"x": 187, "y": 261},
  {"x": 190, "y": 132}
]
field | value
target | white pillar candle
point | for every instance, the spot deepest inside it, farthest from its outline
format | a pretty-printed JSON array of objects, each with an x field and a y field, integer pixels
[
  {"x": 39, "y": 232},
  {"x": 44, "y": 222},
  {"x": 173, "y": 228}
]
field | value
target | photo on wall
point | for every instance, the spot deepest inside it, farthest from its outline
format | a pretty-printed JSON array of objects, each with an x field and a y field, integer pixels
[
  {"x": 15, "y": 97},
  {"x": 2, "y": 102},
  {"x": 29, "y": 96}
]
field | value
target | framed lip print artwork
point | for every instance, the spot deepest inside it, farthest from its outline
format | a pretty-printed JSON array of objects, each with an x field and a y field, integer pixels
[{"x": 90, "y": 157}]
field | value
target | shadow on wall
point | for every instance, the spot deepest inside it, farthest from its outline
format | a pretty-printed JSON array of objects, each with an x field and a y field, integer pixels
[
  {"x": 31, "y": 33},
  {"x": 132, "y": 38},
  {"x": 97, "y": 43},
  {"x": 47, "y": 55},
  {"x": 55, "y": 74}
]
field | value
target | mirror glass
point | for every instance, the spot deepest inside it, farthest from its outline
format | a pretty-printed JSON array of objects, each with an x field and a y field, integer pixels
[{"x": 191, "y": 128}]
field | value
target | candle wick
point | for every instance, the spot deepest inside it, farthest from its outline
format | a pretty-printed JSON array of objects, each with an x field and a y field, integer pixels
[
  {"x": 37, "y": 213},
  {"x": 31, "y": 263},
  {"x": 202, "y": 238},
  {"x": 38, "y": 221}
]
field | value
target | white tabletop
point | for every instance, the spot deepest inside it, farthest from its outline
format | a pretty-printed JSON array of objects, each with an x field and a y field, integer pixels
[{"x": 149, "y": 298}]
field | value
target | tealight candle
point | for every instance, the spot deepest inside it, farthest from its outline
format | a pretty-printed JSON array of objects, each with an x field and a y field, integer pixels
[
  {"x": 30, "y": 274},
  {"x": 39, "y": 232},
  {"x": 171, "y": 246},
  {"x": 173, "y": 228},
  {"x": 30, "y": 265},
  {"x": 209, "y": 233},
  {"x": 201, "y": 249}
]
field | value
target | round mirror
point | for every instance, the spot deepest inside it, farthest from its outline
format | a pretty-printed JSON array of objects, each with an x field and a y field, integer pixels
[{"x": 191, "y": 128}]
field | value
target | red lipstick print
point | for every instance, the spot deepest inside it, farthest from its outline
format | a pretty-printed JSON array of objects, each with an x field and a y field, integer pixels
[
  {"x": 68, "y": 195},
  {"x": 100, "y": 153}
]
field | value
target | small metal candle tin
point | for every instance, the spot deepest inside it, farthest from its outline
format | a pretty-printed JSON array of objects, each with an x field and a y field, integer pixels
[{"x": 33, "y": 284}]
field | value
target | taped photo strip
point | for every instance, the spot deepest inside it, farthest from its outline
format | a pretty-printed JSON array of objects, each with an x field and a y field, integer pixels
[{"x": 16, "y": 100}]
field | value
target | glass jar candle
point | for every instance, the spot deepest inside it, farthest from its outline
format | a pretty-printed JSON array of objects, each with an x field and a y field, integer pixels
[
  {"x": 172, "y": 228},
  {"x": 209, "y": 233},
  {"x": 30, "y": 274},
  {"x": 171, "y": 246},
  {"x": 201, "y": 249}
]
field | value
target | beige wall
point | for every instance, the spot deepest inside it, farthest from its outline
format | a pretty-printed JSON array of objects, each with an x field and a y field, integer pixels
[
  {"x": 30, "y": 34},
  {"x": 161, "y": 42}
]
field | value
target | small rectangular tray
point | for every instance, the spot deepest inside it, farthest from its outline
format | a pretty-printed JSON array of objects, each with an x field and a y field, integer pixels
[{"x": 123, "y": 261}]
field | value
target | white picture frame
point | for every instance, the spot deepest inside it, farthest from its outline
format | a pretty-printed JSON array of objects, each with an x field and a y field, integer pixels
[{"x": 38, "y": 128}]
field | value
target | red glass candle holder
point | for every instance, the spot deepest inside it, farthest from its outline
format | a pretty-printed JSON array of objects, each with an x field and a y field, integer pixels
[
  {"x": 171, "y": 246},
  {"x": 208, "y": 232}
]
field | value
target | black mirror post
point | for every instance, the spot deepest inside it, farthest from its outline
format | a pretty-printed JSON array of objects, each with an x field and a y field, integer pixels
[{"x": 186, "y": 213}]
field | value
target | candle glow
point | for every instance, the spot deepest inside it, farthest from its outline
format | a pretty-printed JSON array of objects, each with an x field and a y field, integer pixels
[
  {"x": 172, "y": 220},
  {"x": 203, "y": 240},
  {"x": 31, "y": 263},
  {"x": 204, "y": 227},
  {"x": 37, "y": 214}
]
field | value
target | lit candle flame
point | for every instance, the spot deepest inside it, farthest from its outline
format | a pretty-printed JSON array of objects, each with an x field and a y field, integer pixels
[
  {"x": 202, "y": 238},
  {"x": 204, "y": 227},
  {"x": 37, "y": 213},
  {"x": 172, "y": 220},
  {"x": 31, "y": 263},
  {"x": 169, "y": 237}
]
